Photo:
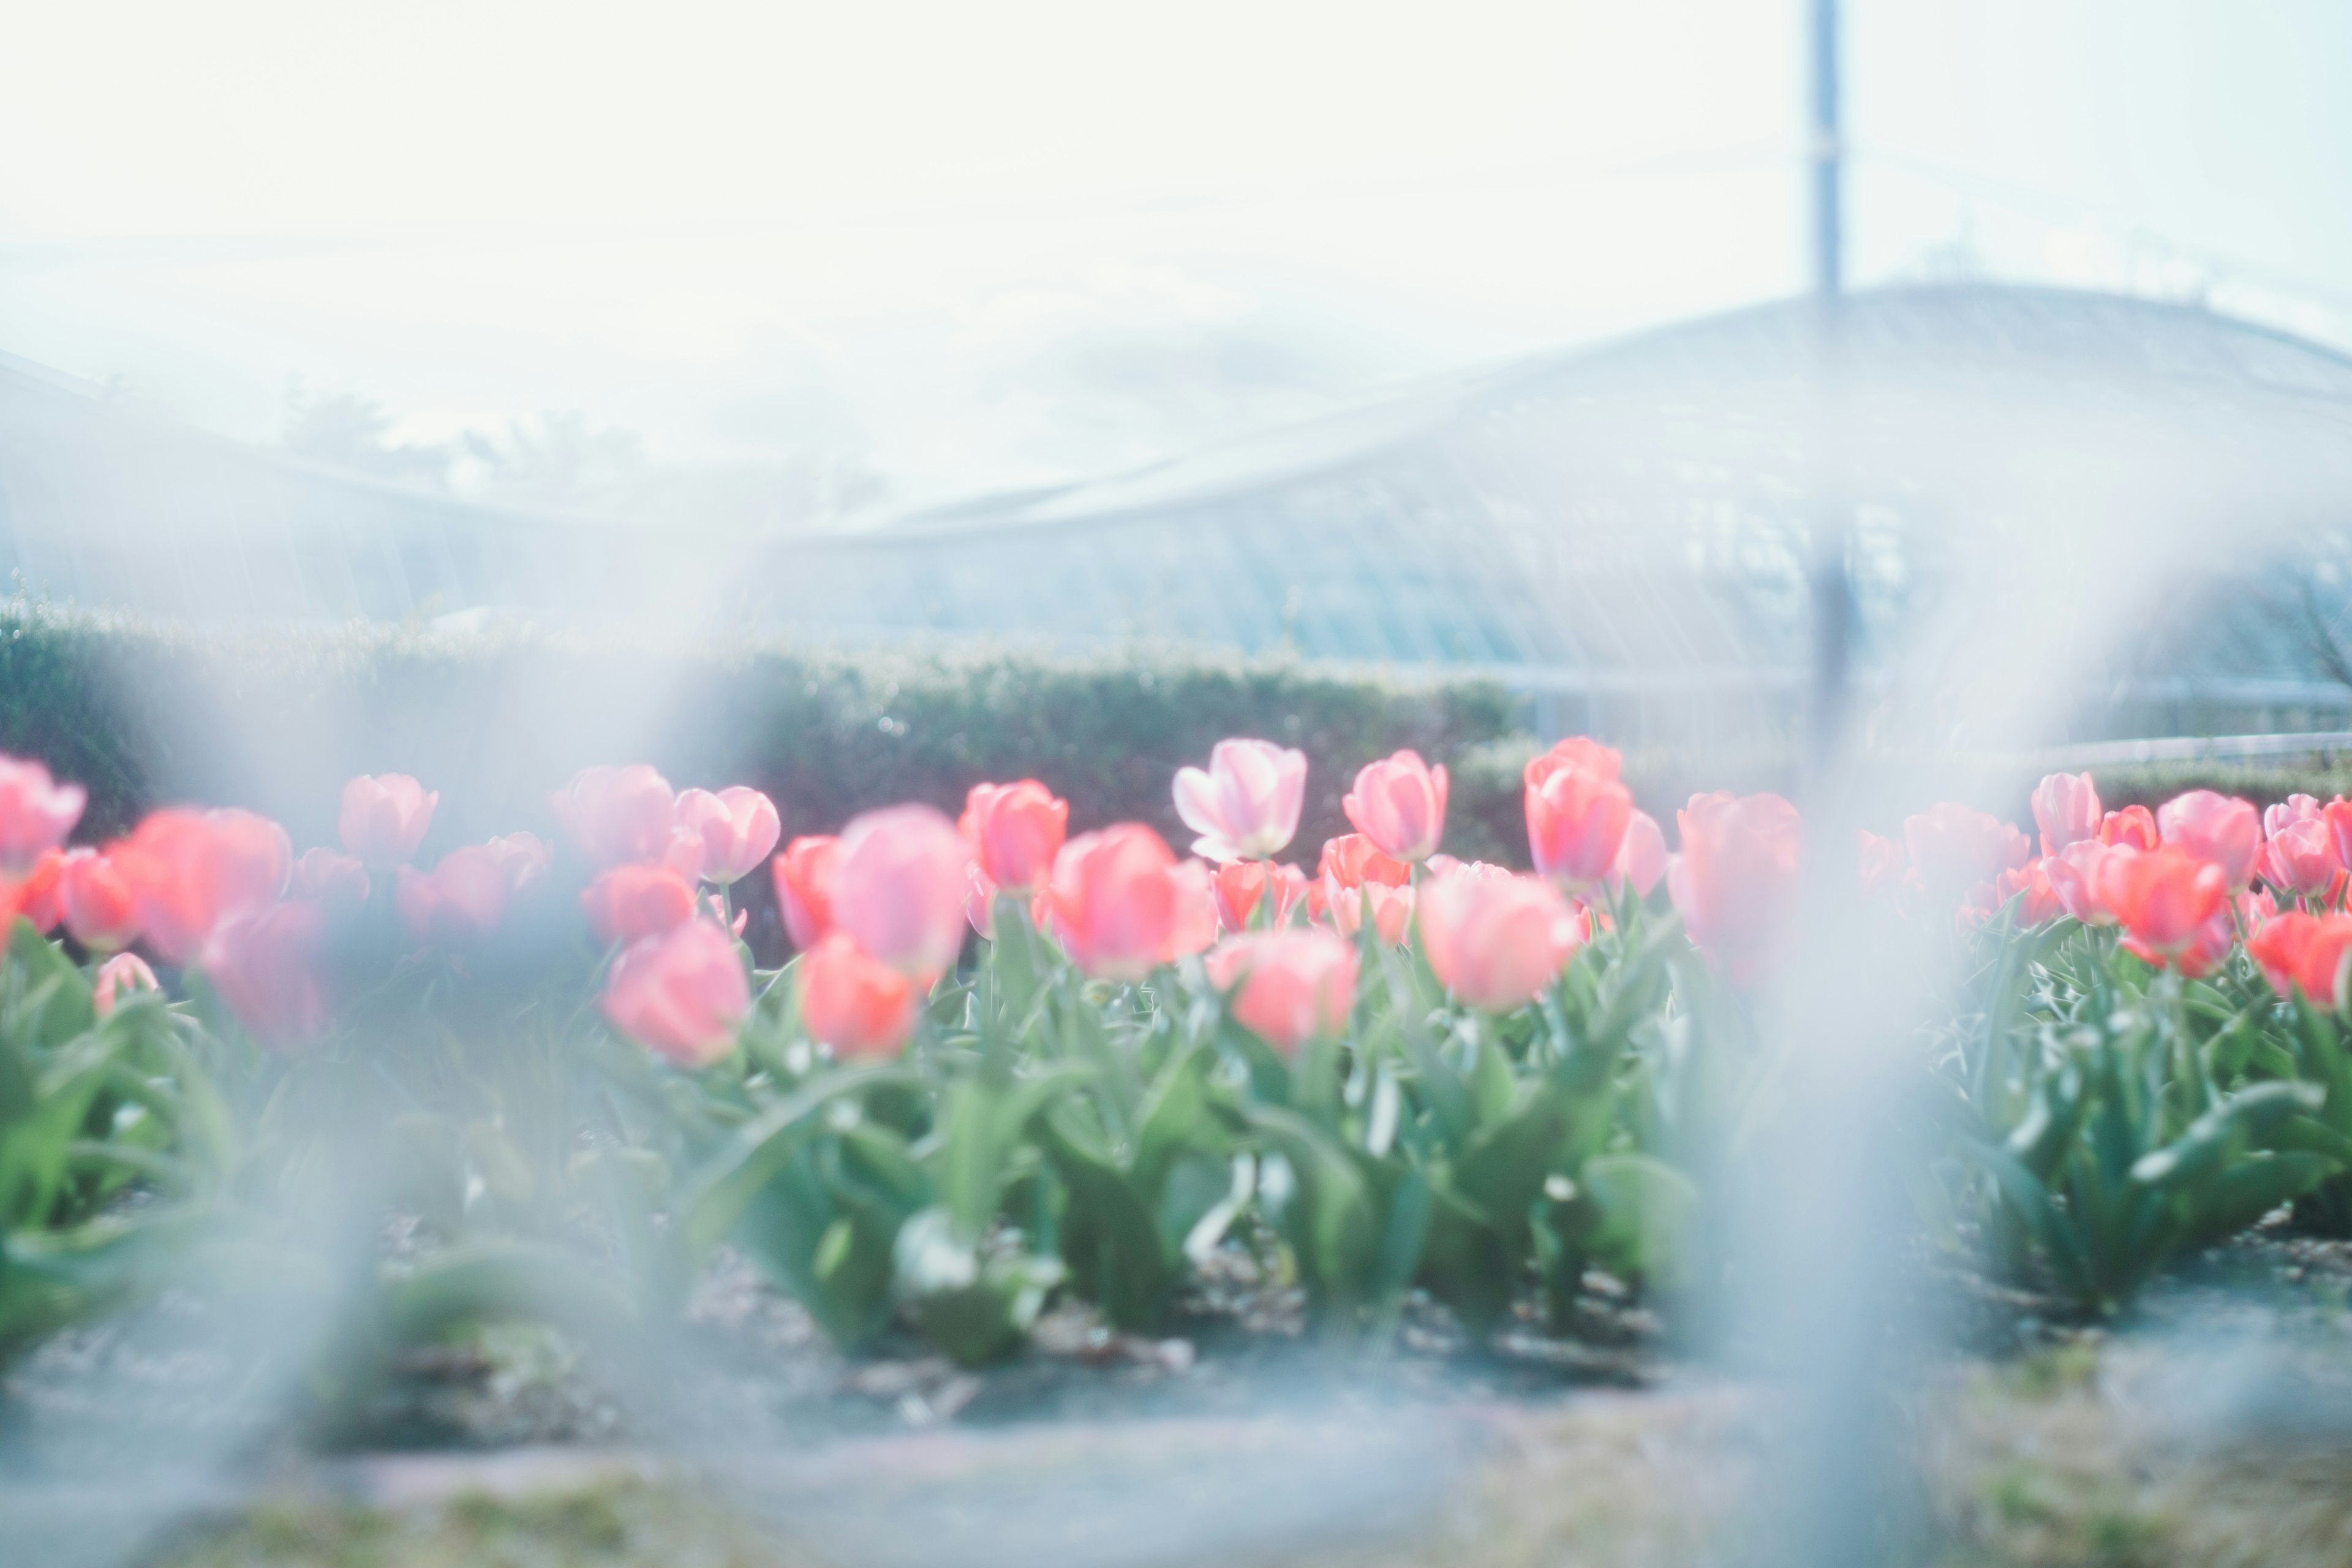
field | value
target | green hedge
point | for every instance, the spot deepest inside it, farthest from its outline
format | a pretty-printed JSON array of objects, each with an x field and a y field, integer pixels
[{"x": 278, "y": 720}]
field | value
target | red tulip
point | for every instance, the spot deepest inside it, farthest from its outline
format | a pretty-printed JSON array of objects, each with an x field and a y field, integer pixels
[
  {"x": 1880, "y": 863},
  {"x": 1641, "y": 859},
  {"x": 804, "y": 874},
  {"x": 116, "y": 978},
  {"x": 737, "y": 830},
  {"x": 2133, "y": 826},
  {"x": 2215, "y": 828},
  {"x": 2301, "y": 858},
  {"x": 1290, "y": 986},
  {"x": 681, "y": 994},
  {"x": 1195, "y": 925},
  {"x": 899, "y": 889},
  {"x": 523, "y": 859},
  {"x": 628, "y": 903},
  {"x": 2160, "y": 896},
  {"x": 2066, "y": 810},
  {"x": 1581, "y": 752},
  {"x": 35, "y": 811},
  {"x": 618, "y": 815},
  {"x": 1957, "y": 852},
  {"x": 460, "y": 902},
  {"x": 1352, "y": 860},
  {"x": 97, "y": 902},
  {"x": 383, "y": 819},
  {"x": 336, "y": 883},
  {"x": 264, "y": 962},
  {"x": 1496, "y": 942},
  {"x": 2297, "y": 951},
  {"x": 37, "y": 894},
  {"x": 1114, "y": 900},
  {"x": 1240, "y": 886},
  {"x": 1015, "y": 831},
  {"x": 188, "y": 871},
  {"x": 1400, "y": 805},
  {"x": 1735, "y": 882},
  {"x": 1245, "y": 806},
  {"x": 1576, "y": 821},
  {"x": 853, "y": 1004}
]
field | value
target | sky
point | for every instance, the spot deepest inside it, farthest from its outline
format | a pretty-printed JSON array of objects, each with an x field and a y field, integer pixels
[{"x": 961, "y": 248}]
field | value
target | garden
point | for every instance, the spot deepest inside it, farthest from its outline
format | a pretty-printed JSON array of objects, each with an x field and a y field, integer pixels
[{"x": 635, "y": 1124}]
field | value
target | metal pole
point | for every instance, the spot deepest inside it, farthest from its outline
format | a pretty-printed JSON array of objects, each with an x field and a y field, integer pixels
[{"x": 1825, "y": 154}]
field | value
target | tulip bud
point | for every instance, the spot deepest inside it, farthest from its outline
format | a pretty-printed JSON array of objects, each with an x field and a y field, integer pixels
[
  {"x": 737, "y": 829},
  {"x": 2217, "y": 828},
  {"x": 1290, "y": 986},
  {"x": 1577, "y": 821},
  {"x": 629, "y": 903},
  {"x": 2297, "y": 951},
  {"x": 100, "y": 910},
  {"x": 117, "y": 978},
  {"x": 805, "y": 876},
  {"x": 1497, "y": 943},
  {"x": 338, "y": 884},
  {"x": 2134, "y": 826},
  {"x": 618, "y": 815},
  {"x": 2066, "y": 810},
  {"x": 1245, "y": 806},
  {"x": 1735, "y": 882},
  {"x": 459, "y": 903},
  {"x": 1015, "y": 831},
  {"x": 36, "y": 813},
  {"x": 2301, "y": 858},
  {"x": 1195, "y": 926},
  {"x": 188, "y": 871},
  {"x": 899, "y": 889},
  {"x": 1641, "y": 858},
  {"x": 385, "y": 818},
  {"x": 37, "y": 894},
  {"x": 263, "y": 963},
  {"x": 1113, "y": 901},
  {"x": 853, "y": 1004},
  {"x": 681, "y": 994},
  {"x": 1400, "y": 805},
  {"x": 2160, "y": 896}
]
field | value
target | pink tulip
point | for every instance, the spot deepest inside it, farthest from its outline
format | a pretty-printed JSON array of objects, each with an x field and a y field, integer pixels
[
  {"x": 2133, "y": 826},
  {"x": 2066, "y": 810},
  {"x": 1390, "y": 909},
  {"x": 2217, "y": 828},
  {"x": 1195, "y": 925},
  {"x": 1641, "y": 859},
  {"x": 2074, "y": 875},
  {"x": 1735, "y": 882},
  {"x": 461, "y": 901},
  {"x": 738, "y": 828},
  {"x": 618, "y": 815},
  {"x": 188, "y": 871},
  {"x": 336, "y": 883},
  {"x": 898, "y": 890},
  {"x": 2204, "y": 953},
  {"x": 2295, "y": 808},
  {"x": 1879, "y": 863},
  {"x": 2301, "y": 858},
  {"x": 1400, "y": 805},
  {"x": 1113, "y": 901},
  {"x": 117, "y": 978},
  {"x": 1581, "y": 752},
  {"x": 854, "y": 1004},
  {"x": 681, "y": 994},
  {"x": 523, "y": 859},
  {"x": 1957, "y": 852},
  {"x": 385, "y": 818},
  {"x": 264, "y": 962},
  {"x": 1576, "y": 822},
  {"x": 1241, "y": 884},
  {"x": 2161, "y": 896},
  {"x": 1497, "y": 943},
  {"x": 628, "y": 903},
  {"x": 2040, "y": 904},
  {"x": 97, "y": 902},
  {"x": 805, "y": 876},
  {"x": 1287, "y": 987},
  {"x": 1015, "y": 831},
  {"x": 1245, "y": 806},
  {"x": 35, "y": 811}
]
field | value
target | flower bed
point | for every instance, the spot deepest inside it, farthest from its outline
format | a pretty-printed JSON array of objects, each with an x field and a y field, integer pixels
[{"x": 1010, "y": 1064}]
